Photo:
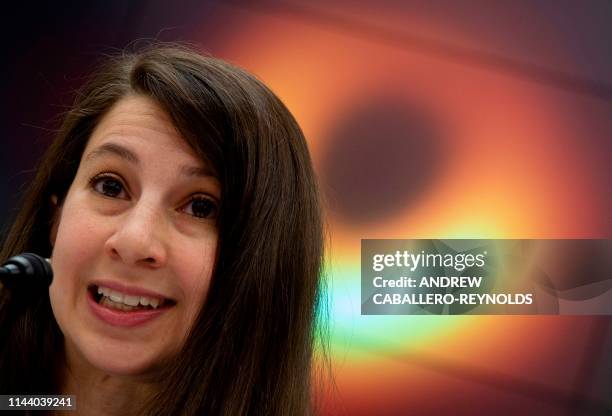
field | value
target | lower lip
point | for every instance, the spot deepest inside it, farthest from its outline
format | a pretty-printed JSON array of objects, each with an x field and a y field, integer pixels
[{"x": 122, "y": 318}]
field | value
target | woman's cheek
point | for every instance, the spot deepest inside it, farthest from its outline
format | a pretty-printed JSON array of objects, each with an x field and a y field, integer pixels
[
  {"x": 76, "y": 244},
  {"x": 196, "y": 272}
]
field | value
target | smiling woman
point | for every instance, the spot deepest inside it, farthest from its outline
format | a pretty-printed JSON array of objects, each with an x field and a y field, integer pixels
[
  {"x": 134, "y": 226},
  {"x": 172, "y": 205}
]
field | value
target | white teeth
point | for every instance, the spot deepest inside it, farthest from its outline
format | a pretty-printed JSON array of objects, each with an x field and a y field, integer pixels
[
  {"x": 129, "y": 300},
  {"x": 116, "y": 296}
]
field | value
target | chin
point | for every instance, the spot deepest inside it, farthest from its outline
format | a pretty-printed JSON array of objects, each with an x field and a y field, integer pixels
[
  {"x": 122, "y": 368},
  {"x": 120, "y": 358}
]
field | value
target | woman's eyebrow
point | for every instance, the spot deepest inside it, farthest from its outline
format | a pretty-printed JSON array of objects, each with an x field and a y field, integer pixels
[
  {"x": 196, "y": 171},
  {"x": 129, "y": 156},
  {"x": 113, "y": 149}
]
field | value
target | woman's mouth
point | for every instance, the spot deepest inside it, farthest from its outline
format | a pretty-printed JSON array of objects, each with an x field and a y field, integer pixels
[
  {"x": 116, "y": 300},
  {"x": 122, "y": 309}
]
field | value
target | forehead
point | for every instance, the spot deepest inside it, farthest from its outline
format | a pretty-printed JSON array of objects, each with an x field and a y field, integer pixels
[{"x": 141, "y": 124}]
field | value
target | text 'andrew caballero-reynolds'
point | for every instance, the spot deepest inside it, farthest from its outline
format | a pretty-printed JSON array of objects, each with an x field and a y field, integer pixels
[{"x": 429, "y": 261}]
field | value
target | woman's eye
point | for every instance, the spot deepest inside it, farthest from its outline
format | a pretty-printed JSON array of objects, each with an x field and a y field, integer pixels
[
  {"x": 201, "y": 207},
  {"x": 107, "y": 186}
]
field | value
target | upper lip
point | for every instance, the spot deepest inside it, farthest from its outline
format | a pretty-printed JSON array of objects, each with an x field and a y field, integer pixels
[{"x": 130, "y": 290}]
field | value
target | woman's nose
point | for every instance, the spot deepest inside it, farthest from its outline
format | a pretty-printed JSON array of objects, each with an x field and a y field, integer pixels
[{"x": 139, "y": 237}]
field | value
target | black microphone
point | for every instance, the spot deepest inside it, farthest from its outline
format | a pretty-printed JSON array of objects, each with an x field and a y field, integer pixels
[{"x": 27, "y": 271}]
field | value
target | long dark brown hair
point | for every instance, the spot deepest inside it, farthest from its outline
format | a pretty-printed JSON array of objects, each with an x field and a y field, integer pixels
[{"x": 250, "y": 350}]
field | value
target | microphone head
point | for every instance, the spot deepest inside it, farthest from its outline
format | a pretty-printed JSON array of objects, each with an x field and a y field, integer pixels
[{"x": 26, "y": 270}]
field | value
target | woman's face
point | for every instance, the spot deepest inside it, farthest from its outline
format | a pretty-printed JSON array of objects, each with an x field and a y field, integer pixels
[{"x": 135, "y": 242}]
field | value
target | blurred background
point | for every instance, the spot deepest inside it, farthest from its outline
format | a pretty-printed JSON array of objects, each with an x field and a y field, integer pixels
[{"x": 425, "y": 119}]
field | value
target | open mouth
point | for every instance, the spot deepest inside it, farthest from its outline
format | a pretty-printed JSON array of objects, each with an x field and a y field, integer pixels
[{"x": 116, "y": 300}]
